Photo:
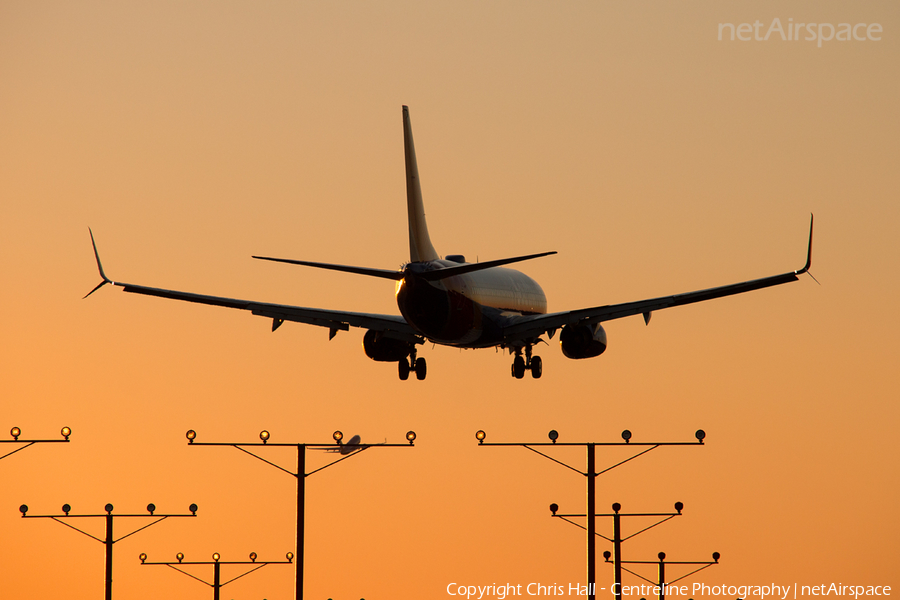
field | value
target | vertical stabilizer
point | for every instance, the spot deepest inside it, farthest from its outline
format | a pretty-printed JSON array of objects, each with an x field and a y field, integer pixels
[{"x": 420, "y": 248}]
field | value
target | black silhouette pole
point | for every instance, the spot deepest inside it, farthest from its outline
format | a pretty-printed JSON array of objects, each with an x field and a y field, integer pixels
[
  {"x": 108, "y": 541},
  {"x": 346, "y": 450},
  {"x": 15, "y": 432},
  {"x": 661, "y": 582},
  {"x": 217, "y": 563},
  {"x": 617, "y": 538},
  {"x": 591, "y": 476}
]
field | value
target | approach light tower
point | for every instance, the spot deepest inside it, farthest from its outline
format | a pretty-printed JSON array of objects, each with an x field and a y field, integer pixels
[
  {"x": 346, "y": 450},
  {"x": 591, "y": 475}
]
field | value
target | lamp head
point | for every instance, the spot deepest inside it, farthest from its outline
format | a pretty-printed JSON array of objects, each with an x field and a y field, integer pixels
[
  {"x": 143, "y": 557},
  {"x": 23, "y": 509},
  {"x": 616, "y": 507},
  {"x": 678, "y": 507},
  {"x": 716, "y": 556},
  {"x": 193, "y": 509},
  {"x": 216, "y": 556},
  {"x": 480, "y": 435},
  {"x": 108, "y": 508},
  {"x": 253, "y": 557},
  {"x": 66, "y": 432},
  {"x": 553, "y": 508},
  {"x": 151, "y": 507},
  {"x": 15, "y": 432},
  {"x": 66, "y": 508},
  {"x": 606, "y": 555},
  {"x": 289, "y": 556},
  {"x": 338, "y": 436},
  {"x": 626, "y": 435},
  {"x": 662, "y": 556},
  {"x": 264, "y": 436},
  {"x": 553, "y": 435},
  {"x": 191, "y": 435},
  {"x": 700, "y": 435},
  {"x": 411, "y": 437},
  {"x": 179, "y": 557}
]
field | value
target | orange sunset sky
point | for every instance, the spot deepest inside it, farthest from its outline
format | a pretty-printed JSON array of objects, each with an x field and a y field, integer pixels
[{"x": 656, "y": 159}]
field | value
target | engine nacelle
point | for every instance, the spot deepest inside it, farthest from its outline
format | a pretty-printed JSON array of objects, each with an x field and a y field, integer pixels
[
  {"x": 582, "y": 340},
  {"x": 385, "y": 349}
]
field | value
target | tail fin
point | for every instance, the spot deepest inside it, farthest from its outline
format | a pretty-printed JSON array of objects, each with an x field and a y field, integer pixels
[{"x": 420, "y": 248}]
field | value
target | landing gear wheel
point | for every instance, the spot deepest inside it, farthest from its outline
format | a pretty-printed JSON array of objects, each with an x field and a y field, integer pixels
[
  {"x": 421, "y": 369},
  {"x": 537, "y": 367},
  {"x": 519, "y": 367},
  {"x": 404, "y": 369}
]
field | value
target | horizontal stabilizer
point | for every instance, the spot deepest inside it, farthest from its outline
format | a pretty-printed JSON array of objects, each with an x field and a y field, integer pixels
[
  {"x": 383, "y": 273},
  {"x": 469, "y": 268}
]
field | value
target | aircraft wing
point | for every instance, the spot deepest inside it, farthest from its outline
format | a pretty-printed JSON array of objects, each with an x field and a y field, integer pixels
[
  {"x": 334, "y": 320},
  {"x": 532, "y": 326}
]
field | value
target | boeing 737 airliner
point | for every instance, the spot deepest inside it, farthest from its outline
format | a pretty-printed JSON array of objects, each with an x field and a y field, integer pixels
[{"x": 455, "y": 303}]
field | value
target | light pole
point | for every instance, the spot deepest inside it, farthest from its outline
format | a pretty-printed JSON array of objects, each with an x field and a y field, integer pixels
[
  {"x": 660, "y": 584},
  {"x": 346, "y": 450},
  {"x": 591, "y": 475},
  {"x": 15, "y": 432},
  {"x": 108, "y": 541},
  {"x": 617, "y": 538},
  {"x": 217, "y": 563}
]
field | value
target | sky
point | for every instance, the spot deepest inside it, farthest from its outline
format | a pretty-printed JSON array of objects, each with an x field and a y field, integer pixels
[{"x": 652, "y": 156}]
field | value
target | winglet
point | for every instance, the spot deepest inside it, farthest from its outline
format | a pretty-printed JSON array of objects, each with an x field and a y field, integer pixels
[
  {"x": 806, "y": 267},
  {"x": 99, "y": 266}
]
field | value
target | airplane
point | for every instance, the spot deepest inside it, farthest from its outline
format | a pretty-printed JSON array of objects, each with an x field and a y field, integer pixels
[
  {"x": 349, "y": 448},
  {"x": 451, "y": 302}
]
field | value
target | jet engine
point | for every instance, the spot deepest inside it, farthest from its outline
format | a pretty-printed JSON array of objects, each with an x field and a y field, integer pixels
[
  {"x": 582, "y": 340},
  {"x": 382, "y": 348}
]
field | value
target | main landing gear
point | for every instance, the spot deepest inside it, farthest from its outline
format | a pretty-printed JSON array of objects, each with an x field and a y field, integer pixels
[
  {"x": 528, "y": 363},
  {"x": 413, "y": 364}
]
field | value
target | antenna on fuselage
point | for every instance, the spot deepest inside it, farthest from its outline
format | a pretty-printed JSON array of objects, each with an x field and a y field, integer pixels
[{"x": 420, "y": 248}]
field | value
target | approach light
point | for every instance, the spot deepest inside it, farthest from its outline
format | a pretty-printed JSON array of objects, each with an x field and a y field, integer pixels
[
  {"x": 151, "y": 507},
  {"x": 66, "y": 508},
  {"x": 108, "y": 508},
  {"x": 338, "y": 436},
  {"x": 216, "y": 556},
  {"x": 411, "y": 436},
  {"x": 716, "y": 556},
  {"x": 179, "y": 557},
  {"x": 66, "y": 432},
  {"x": 190, "y": 435},
  {"x": 193, "y": 509},
  {"x": 553, "y": 508},
  {"x": 626, "y": 435},
  {"x": 480, "y": 435},
  {"x": 616, "y": 507},
  {"x": 15, "y": 432},
  {"x": 678, "y": 507},
  {"x": 253, "y": 556},
  {"x": 143, "y": 557},
  {"x": 264, "y": 436},
  {"x": 23, "y": 509},
  {"x": 289, "y": 556},
  {"x": 553, "y": 435},
  {"x": 606, "y": 555},
  {"x": 700, "y": 435},
  {"x": 662, "y": 556}
]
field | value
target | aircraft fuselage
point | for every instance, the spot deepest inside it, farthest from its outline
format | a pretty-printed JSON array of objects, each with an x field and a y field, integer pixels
[{"x": 466, "y": 310}]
